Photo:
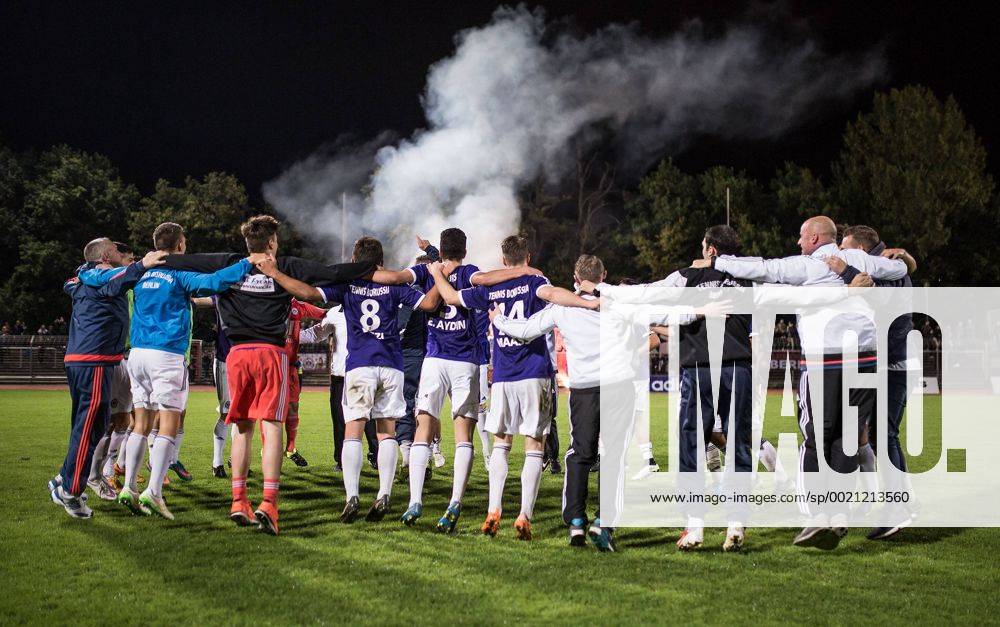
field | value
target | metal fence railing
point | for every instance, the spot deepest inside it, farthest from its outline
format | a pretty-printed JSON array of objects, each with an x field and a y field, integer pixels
[{"x": 38, "y": 359}]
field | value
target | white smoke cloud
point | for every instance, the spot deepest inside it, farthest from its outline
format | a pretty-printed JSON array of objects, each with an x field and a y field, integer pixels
[{"x": 514, "y": 101}]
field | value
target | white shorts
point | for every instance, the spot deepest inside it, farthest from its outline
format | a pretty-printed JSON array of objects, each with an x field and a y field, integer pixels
[
  {"x": 221, "y": 386},
  {"x": 441, "y": 377},
  {"x": 159, "y": 379},
  {"x": 121, "y": 389},
  {"x": 521, "y": 408},
  {"x": 373, "y": 392},
  {"x": 484, "y": 391}
]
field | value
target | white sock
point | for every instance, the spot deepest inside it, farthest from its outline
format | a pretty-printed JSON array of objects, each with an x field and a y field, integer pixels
[
  {"x": 388, "y": 455},
  {"x": 463, "y": 464},
  {"x": 600, "y": 446},
  {"x": 218, "y": 442},
  {"x": 135, "y": 450},
  {"x": 404, "y": 453},
  {"x": 121, "y": 451},
  {"x": 531, "y": 476},
  {"x": 646, "y": 450},
  {"x": 151, "y": 439},
  {"x": 420, "y": 453},
  {"x": 768, "y": 455},
  {"x": 436, "y": 447},
  {"x": 114, "y": 452},
  {"x": 177, "y": 445},
  {"x": 97, "y": 461},
  {"x": 351, "y": 460},
  {"x": 484, "y": 435},
  {"x": 866, "y": 457},
  {"x": 498, "y": 474},
  {"x": 159, "y": 459}
]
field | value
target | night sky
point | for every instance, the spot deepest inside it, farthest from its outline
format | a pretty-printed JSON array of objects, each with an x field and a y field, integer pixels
[{"x": 167, "y": 91}]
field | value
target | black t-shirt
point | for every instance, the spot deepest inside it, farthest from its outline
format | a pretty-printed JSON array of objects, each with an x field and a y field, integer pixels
[
  {"x": 256, "y": 309},
  {"x": 694, "y": 336}
]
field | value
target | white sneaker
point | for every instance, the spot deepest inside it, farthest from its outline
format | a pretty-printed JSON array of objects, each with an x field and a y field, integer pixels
[
  {"x": 691, "y": 539},
  {"x": 735, "y": 537},
  {"x": 103, "y": 489},
  {"x": 645, "y": 471},
  {"x": 75, "y": 506}
]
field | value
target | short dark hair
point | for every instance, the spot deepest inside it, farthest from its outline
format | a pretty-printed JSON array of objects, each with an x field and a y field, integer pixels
[
  {"x": 864, "y": 235},
  {"x": 723, "y": 238},
  {"x": 368, "y": 250},
  {"x": 258, "y": 232},
  {"x": 123, "y": 248},
  {"x": 453, "y": 242},
  {"x": 168, "y": 236},
  {"x": 514, "y": 249},
  {"x": 423, "y": 259}
]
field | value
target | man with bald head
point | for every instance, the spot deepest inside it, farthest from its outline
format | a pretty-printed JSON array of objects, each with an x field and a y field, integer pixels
[
  {"x": 96, "y": 342},
  {"x": 822, "y": 335},
  {"x": 815, "y": 233}
]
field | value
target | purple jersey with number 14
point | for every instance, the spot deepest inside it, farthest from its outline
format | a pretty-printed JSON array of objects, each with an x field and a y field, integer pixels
[
  {"x": 517, "y": 299},
  {"x": 370, "y": 309},
  {"x": 451, "y": 334}
]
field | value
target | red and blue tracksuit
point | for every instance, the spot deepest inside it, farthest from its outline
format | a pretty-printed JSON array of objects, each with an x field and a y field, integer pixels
[{"x": 97, "y": 332}]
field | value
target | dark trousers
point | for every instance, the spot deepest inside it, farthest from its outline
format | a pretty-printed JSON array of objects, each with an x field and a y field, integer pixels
[
  {"x": 337, "y": 415},
  {"x": 413, "y": 364},
  {"x": 832, "y": 424},
  {"x": 552, "y": 440},
  {"x": 584, "y": 429},
  {"x": 897, "y": 405},
  {"x": 90, "y": 389},
  {"x": 735, "y": 402}
]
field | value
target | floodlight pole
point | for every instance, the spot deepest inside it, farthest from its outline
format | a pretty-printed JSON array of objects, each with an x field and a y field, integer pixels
[{"x": 343, "y": 227}]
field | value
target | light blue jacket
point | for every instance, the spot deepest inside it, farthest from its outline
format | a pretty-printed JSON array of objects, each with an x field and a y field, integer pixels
[{"x": 161, "y": 316}]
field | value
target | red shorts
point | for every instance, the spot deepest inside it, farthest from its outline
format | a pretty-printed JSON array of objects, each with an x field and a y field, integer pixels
[
  {"x": 294, "y": 385},
  {"x": 258, "y": 382}
]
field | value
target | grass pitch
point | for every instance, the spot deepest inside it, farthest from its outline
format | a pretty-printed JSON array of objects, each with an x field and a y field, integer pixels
[{"x": 200, "y": 569}]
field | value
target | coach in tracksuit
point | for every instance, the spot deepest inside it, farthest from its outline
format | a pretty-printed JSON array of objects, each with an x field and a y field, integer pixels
[
  {"x": 867, "y": 239},
  {"x": 97, "y": 331},
  {"x": 823, "y": 336}
]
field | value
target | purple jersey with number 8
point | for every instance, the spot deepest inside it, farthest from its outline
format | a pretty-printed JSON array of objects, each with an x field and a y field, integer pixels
[
  {"x": 517, "y": 299},
  {"x": 370, "y": 309}
]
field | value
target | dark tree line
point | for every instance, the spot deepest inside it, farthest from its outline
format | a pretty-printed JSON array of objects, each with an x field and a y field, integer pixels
[{"x": 911, "y": 167}]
